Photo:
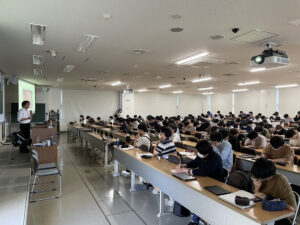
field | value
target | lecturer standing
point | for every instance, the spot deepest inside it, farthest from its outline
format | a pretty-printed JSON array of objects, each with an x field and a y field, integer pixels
[{"x": 25, "y": 117}]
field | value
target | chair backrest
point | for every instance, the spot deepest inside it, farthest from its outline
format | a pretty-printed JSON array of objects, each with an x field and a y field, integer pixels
[
  {"x": 192, "y": 139},
  {"x": 297, "y": 209},
  {"x": 144, "y": 148},
  {"x": 249, "y": 151},
  {"x": 173, "y": 158},
  {"x": 179, "y": 145},
  {"x": 297, "y": 152}
]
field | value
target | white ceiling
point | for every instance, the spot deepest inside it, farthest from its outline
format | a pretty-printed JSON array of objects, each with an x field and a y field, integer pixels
[{"x": 144, "y": 24}]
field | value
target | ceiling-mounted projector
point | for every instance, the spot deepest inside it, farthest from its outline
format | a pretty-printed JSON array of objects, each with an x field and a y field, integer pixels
[{"x": 270, "y": 58}]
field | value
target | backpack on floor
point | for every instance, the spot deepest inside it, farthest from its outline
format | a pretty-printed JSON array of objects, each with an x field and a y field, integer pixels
[{"x": 180, "y": 210}]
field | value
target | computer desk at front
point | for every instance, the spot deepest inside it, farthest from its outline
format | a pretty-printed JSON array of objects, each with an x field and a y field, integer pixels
[{"x": 192, "y": 194}]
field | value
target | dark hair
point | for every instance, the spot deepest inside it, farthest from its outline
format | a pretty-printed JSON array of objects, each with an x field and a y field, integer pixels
[
  {"x": 143, "y": 127},
  {"x": 98, "y": 118},
  {"x": 276, "y": 142},
  {"x": 263, "y": 168},
  {"x": 286, "y": 115},
  {"x": 233, "y": 131},
  {"x": 204, "y": 147},
  {"x": 173, "y": 126},
  {"x": 290, "y": 133},
  {"x": 166, "y": 131},
  {"x": 252, "y": 135},
  {"x": 258, "y": 129},
  {"x": 217, "y": 136},
  {"x": 24, "y": 103},
  {"x": 224, "y": 133}
]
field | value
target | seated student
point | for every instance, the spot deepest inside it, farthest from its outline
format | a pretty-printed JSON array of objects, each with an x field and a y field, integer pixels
[
  {"x": 165, "y": 146},
  {"x": 279, "y": 130},
  {"x": 262, "y": 131},
  {"x": 294, "y": 137},
  {"x": 287, "y": 119},
  {"x": 99, "y": 121},
  {"x": 207, "y": 164},
  {"x": 278, "y": 151},
  {"x": 234, "y": 139},
  {"x": 142, "y": 138},
  {"x": 174, "y": 135},
  {"x": 245, "y": 127},
  {"x": 257, "y": 119},
  {"x": 224, "y": 149},
  {"x": 277, "y": 121},
  {"x": 134, "y": 123},
  {"x": 81, "y": 120},
  {"x": 297, "y": 117},
  {"x": 269, "y": 183},
  {"x": 255, "y": 140},
  {"x": 110, "y": 120},
  {"x": 124, "y": 126},
  {"x": 188, "y": 126}
]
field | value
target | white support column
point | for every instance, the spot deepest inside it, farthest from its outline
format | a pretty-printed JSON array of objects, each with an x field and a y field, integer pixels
[
  {"x": 232, "y": 106},
  {"x": 177, "y": 104},
  {"x": 277, "y": 100}
]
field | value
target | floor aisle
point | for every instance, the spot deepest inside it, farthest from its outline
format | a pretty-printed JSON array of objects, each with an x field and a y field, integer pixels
[{"x": 92, "y": 196}]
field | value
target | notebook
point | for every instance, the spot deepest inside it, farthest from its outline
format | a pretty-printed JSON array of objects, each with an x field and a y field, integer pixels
[
  {"x": 230, "y": 198},
  {"x": 217, "y": 190},
  {"x": 183, "y": 176}
]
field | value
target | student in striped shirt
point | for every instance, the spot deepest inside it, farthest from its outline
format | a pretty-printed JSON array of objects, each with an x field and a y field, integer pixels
[{"x": 165, "y": 146}]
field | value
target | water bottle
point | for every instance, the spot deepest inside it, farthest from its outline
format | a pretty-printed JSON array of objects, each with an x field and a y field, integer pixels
[
  {"x": 118, "y": 142},
  {"x": 37, "y": 139},
  {"x": 51, "y": 140}
]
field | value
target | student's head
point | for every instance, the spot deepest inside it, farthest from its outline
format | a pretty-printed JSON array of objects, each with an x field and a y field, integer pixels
[
  {"x": 165, "y": 133},
  {"x": 278, "y": 127},
  {"x": 98, "y": 118},
  {"x": 142, "y": 128},
  {"x": 165, "y": 123},
  {"x": 88, "y": 117},
  {"x": 216, "y": 138},
  {"x": 81, "y": 117},
  {"x": 173, "y": 127},
  {"x": 258, "y": 129},
  {"x": 298, "y": 112},
  {"x": 252, "y": 135},
  {"x": 276, "y": 142},
  {"x": 204, "y": 148},
  {"x": 263, "y": 169},
  {"x": 25, "y": 104},
  {"x": 250, "y": 113},
  {"x": 257, "y": 117},
  {"x": 291, "y": 134},
  {"x": 234, "y": 132},
  {"x": 285, "y": 116},
  {"x": 224, "y": 133},
  {"x": 111, "y": 117}
]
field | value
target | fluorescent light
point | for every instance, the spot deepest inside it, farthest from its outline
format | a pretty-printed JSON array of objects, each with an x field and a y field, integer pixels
[
  {"x": 88, "y": 41},
  {"x": 38, "y": 72},
  {"x": 37, "y": 59},
  {"x": 208, "y": 93},
  {"x": 192, "y": 59},
  {"x": 286, "y": 86},
  {"x": 257, "y": 69},
  {"x": 68, "y": 68},
  {"x": 240, "y": 90},
  {"x": 249, "y": 83},
  {"x": 142, "y": 90},
  {"x": 60, "y": 79},
  {"x": 38, "y": 33},
  {"x": 116, "y": 83},
  {"x": 177, "y": 92},
  {"x": 165, "y": 86},
  {"x": 202, "y": 79},
  {"x": 205, "y": 89}
]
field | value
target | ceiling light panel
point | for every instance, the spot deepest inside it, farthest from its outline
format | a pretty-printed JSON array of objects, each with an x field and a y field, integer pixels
[
  {"x": 37, "y": 59},
  {"x": 286, "y": 86},
  {"x": 38, "y": 34},
  {"x": 205, "y": 89},
  {"x": 249, "y": 83},
  {"x": 68, "y": 68},
  {"x": 192, "y": 59},
  {"x": 87, "y": 43},
  {"x": 257, "y": 69},
  {"x": 165, "y": 86},
  {"x": 177, "y": 92},
  {"x": 202, "y": 79},
  {"x": 208, "y": 93},
  {"x": 142, "y": 90},
  {"x": 240, "y": 90},
  {"x": 116, "y": 83}
]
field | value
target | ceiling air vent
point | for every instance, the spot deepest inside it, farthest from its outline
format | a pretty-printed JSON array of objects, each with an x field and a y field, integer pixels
[
  {"x": 229, "y": 74},
  {"x": 139, "y": 51}
]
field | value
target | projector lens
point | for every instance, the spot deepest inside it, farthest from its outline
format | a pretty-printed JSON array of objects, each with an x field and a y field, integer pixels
[{"x": 259, "y": 59}]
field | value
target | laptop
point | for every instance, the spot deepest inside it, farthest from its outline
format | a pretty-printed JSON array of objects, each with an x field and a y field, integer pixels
[
  {"x": 183, "y": 176},
  {"x": 217, "y": 190}
]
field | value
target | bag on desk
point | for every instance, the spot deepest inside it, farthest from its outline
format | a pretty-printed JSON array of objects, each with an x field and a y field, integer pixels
[
  {"x": 271, "y": 204},
  {"x": 180, "y": 210}
]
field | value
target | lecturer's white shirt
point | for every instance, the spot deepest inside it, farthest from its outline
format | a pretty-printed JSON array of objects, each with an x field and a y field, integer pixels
[{"x": 24, "y": 113}]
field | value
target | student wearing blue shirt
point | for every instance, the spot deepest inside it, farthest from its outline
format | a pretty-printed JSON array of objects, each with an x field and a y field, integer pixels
[{"x": 224, "y": 149}]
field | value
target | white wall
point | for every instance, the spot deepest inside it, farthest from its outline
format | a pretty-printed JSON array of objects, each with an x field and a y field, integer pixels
[
  {"x": 154, "y": 104},
  {"x": 189, "y": 104},
  {"x": 87, "y": 102},
  {"x": 222, "y": 102},
  {"x": 128, "y": 104},
  {"x": 289, "y": 101}
]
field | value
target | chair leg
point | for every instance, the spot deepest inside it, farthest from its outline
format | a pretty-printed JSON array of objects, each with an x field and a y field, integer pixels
[
  {"x": 59, "y": 185},
  {"x": 32, "y": 188}
]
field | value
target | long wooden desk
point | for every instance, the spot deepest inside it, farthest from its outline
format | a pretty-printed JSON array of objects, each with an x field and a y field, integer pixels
[
  {"x": 192, "y": 194},
  {"x": 74, "y": 130}
]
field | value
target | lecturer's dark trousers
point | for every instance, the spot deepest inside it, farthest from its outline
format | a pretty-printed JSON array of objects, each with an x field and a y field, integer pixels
[{"x": 25, "y": 129}]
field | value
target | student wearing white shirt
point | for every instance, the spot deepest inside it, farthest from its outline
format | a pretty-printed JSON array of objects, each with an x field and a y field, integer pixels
[
  {"x": 25, "y": 117},
  {"x": 142, "y": 138},
  {"x": 175, "y": 136},
  {"x": 294, "y": 137}
]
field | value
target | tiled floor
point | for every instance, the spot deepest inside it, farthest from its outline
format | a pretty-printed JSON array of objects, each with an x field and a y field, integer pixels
[{"x": 91, "y": 195}]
